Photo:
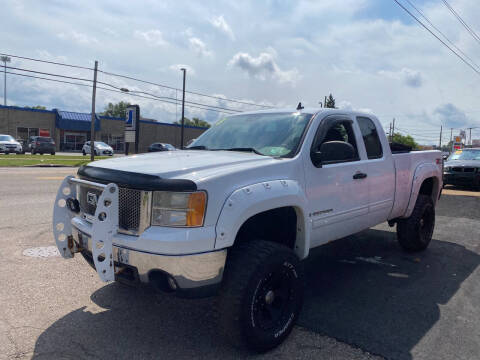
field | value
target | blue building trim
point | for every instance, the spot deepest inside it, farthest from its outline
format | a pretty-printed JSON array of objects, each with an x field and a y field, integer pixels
[{"x": 25, "y": 109}]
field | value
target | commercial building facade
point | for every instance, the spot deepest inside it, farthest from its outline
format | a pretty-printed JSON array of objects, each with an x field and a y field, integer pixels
[{"x": 70, "y": 130}]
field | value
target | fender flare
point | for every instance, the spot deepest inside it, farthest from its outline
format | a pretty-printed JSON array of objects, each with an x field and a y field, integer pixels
[
  {"x": 253, "y": 199},
  {"x": 422, "y": 172}
]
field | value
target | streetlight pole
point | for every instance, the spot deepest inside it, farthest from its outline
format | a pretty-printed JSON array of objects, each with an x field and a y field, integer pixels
[
  {"x": 5, "y": 59},
  {"x": 183, "y": 107}
]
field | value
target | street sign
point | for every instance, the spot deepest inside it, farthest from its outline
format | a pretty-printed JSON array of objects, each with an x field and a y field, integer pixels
[
  {"x": 458, "y": 139},
  {"x": 131, "y": 118}
]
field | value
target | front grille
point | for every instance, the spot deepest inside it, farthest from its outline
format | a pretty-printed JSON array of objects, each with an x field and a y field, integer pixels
[
  {"x": 133, "y": 207},
  {"x": 130, "y": 202},
  {"x": 463, "y": 169}
]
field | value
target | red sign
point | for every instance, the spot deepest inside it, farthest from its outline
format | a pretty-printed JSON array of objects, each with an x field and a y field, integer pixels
[{"x": 44, "y": 132}]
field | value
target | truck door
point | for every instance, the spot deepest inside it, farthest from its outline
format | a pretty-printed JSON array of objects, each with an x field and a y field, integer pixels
[
  {"x": 380, "y": 170},
  {"x": 337, "y": 189}
]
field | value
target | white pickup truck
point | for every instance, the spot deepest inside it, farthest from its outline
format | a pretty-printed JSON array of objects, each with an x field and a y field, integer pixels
[{"x": 237, "y": 211}]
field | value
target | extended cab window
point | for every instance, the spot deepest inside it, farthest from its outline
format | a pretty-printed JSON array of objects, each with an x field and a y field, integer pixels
[
  {"x": 340, "y": 131},
  {"x": 370, "y": 138}
]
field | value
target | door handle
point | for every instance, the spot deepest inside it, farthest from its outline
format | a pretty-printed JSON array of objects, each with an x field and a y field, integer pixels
[{"x": 359, "y": 176}]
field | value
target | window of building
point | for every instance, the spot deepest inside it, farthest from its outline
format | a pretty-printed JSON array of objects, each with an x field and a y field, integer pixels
[
  {"x": 370, "y": 138},
  {"x": 25, "y": 133}
]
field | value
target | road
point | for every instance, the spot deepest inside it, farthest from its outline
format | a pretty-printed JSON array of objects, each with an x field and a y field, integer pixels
[{"x": 365, "y": 298}]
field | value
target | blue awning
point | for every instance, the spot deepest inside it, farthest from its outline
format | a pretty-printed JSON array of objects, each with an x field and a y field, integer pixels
[{"x": 68, "y": 120}]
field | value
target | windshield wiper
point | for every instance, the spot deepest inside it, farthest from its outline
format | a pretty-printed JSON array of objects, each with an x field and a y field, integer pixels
[
  {"x": 197, "y": 147},
  {"x": 245, "y": 149}
]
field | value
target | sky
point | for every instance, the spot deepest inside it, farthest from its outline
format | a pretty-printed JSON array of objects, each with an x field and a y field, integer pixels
[{"x": 369, "y": 54}]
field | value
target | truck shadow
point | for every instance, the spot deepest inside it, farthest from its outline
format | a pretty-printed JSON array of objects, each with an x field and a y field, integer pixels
[
  {"x": 353, "y": 294},
  {"x": 363, "y": 290}
]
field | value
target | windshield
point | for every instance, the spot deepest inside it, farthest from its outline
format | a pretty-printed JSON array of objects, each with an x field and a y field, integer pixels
[
  {"x": 6, "y": 138},
  {"x": 276, "y": 134},
  {"x": 100, "y": 143},
  {"x": 465, "y": 155}
]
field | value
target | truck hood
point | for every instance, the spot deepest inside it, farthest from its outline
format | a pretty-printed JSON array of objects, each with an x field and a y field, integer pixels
[
  {"x": 186, "y": 164},
  {"x": 461, "y": 163}
]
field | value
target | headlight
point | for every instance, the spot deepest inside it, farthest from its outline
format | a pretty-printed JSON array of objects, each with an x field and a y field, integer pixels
[
  {"x": 178, "y": 209},
  {"x": 447, "y": 169}
]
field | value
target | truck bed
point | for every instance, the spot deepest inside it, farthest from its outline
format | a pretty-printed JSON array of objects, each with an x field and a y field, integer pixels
[{"x": 405, "y": 166}]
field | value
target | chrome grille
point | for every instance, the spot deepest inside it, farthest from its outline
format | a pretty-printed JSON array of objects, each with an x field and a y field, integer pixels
[{"x": 134, "y": 207}]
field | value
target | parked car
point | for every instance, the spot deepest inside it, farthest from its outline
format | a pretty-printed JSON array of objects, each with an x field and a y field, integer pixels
[
  {"x": 236, "y": 212},
  {"x": 463, "y": 168},
  {"x": 100, "y": 148},
  {"x": 9, "y": 145},
  {"x": 160, "y": 147},
  {"x": 42, "y": 145}
]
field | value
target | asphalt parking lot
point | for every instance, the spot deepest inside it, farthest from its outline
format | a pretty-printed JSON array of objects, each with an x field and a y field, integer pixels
[{"x": 365, "y": 298}]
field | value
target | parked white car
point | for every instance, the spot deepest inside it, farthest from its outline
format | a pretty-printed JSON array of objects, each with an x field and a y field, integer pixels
[
  {"x": 237, "y": 211},
  {"x": 101, "y": 148},
  {"x": 9, "y": 145}
]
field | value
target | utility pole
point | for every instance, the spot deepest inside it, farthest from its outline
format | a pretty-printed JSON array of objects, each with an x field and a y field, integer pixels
[
  {"x": 440, "y": 142},
  {"x": 390, "y": 133},
  {"x": 325, "y": 102},
  {"x": 92, "y": 127},
  {"x": 471, "y": 142},
  {"x": 393, "y": 129},
  {"x": 5, "y": 59},
  {"x": 451, "y": 134},
  {"x": 183, "y": 108}
]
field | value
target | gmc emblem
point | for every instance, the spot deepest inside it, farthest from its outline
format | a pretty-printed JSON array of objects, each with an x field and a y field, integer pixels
[{"x": 92, "y": 199}]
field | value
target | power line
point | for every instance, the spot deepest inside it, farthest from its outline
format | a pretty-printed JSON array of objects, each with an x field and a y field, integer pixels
[
  {"x": 189, "y": 92},
  {"x": 441, "y": 33},
  {"x": 205, "y": 107},
  {"x": 46, "y": 61},
  {"x": 459, "y": 18},
  {"x": 50, "y": 74},
  {"x": 431, "y": 32}
]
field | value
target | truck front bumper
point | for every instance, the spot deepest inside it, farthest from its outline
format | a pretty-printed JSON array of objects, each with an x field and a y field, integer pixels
[{"x": 194, "y": 275}]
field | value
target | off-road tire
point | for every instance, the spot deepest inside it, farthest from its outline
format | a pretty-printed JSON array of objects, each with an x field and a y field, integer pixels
[
  {"x": 415, "y": 233},
  {"x": 254, "y": 269}
]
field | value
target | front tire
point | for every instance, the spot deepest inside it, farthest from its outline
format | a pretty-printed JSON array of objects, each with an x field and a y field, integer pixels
[
  {"x": 261, "y": 295},
  {"x": 84, "y": 153},
  {"x": 415, "y": 233}
]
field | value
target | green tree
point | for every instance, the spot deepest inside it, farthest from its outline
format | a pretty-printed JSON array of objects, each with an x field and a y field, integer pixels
[
  {"x": 330, "y": 102},
  {"x": 405, "y": 140},
  {"x": 194, "y": 122},
  {"x": 38, "y": 107},
  {"x": 116, "y": 110}
]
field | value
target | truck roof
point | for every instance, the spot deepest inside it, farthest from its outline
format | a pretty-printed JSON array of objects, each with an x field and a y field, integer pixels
[{"x": 308, "y": 110}]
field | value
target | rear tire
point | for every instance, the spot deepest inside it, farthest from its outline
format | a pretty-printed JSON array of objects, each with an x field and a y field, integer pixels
[
  {"x": 261, "y": 295},
  {"x": 84, "y": 153},
  {"x": 52, "y": 153},
  {"x": 415, "y": 233}
]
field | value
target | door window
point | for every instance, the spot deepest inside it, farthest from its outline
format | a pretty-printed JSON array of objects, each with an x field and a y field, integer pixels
[
  {"x": 370, "y": 138},
  {"x": 337, "y": 131}
]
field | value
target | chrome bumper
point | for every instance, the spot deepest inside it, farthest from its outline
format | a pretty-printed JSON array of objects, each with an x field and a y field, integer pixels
[{"x": 188, "y": 271}]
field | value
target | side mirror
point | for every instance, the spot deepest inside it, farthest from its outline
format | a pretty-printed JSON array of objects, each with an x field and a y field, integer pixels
[{"x": 333, "y": 151}]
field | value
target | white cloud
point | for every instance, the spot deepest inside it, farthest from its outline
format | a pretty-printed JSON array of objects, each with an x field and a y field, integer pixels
[
  {"x": 221, "y": 24},
  {"x": 199, "y": 47},
  {"x": 78, "y": 37},
  {"x": 177, "y": 67},
  {"x": 347, "y": 105},
  {"x": 153, "y": 37},
  {"x": 409, "y": 77},
  {"x": 264, "y": 66}
]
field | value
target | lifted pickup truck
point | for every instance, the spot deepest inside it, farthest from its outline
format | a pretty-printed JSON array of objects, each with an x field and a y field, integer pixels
[{"x": 237, "y": 211}]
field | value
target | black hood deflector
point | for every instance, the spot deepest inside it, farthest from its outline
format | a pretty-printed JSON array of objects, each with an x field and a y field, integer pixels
[{"x": 134, "y": 180}]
